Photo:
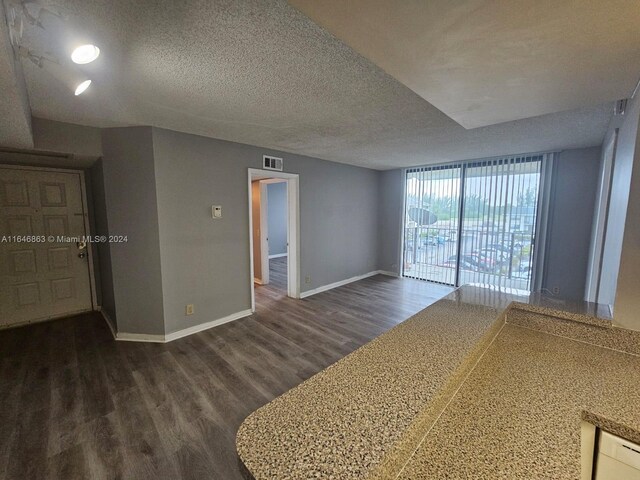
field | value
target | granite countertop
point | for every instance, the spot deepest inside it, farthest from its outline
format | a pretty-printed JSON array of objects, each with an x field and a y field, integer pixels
[
  {"x": 518, "y": 414},
  {"x": 404, "y": 403}
]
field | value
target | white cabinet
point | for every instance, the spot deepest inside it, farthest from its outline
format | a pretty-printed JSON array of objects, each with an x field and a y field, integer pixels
[{"x": 617, "y": 459}]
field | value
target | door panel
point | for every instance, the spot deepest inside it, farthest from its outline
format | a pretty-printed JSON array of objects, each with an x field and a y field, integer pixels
[
  {"x": 41, "y": 277},
  {"x": 431, "y": 223},
  {"x": 498, "y": 225}
]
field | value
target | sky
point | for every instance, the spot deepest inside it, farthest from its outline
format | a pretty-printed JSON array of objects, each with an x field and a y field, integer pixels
[{"x": 446, "y": 183}]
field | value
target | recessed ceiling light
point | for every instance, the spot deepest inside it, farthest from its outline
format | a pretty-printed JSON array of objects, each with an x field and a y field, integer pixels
[
  {"x": 85, "y": 54},
  {"x": 82, "y": 87}
]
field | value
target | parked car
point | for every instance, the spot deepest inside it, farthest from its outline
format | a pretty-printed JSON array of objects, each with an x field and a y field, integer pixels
[
  {"x": 494, "y": 253},
  {"x": 474, "y": 263},
  {"x": 434, "y": 240},
  {"x": 498, "y": 257},
  {"x": 506, "y": 248},
  {"x": 484, "y": 264},
  {"x": 464, "y": 265}
]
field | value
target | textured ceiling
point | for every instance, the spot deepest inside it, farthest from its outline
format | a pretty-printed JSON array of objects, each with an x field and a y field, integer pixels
[
  {"x": 484, "y": 62},
  {"x": 262, "y": 73},
  {"x": 15, "y": 116}
]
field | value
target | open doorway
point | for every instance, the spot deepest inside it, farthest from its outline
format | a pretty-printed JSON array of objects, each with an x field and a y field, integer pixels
[
  {"x": 277, "y": 250},
  {"x": 270, "y": 232},
  {"x": 274, "y": 230}
]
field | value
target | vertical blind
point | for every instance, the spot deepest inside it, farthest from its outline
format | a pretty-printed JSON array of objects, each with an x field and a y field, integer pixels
[
  {"x": 432, "y": 213},
  {"x": 472, "y": 222}
]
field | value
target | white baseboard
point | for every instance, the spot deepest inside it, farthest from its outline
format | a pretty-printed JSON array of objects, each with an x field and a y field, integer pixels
[
  {"x": 142, "y": 337},
  {"x": 278, "y": 255},
  {"x": 205, "y": 326},
  {"x": 388, "y": 273},
  {"x": 324, "y": 288}
]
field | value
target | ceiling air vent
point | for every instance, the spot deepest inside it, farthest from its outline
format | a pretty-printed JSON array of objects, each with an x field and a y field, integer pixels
[{"x": 271, "y": 163}]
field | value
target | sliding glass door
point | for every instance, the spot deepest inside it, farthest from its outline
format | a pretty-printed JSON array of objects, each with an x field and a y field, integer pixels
[
  {"x": 472, "y": 222},
  {"x": 432, "y": 216}
]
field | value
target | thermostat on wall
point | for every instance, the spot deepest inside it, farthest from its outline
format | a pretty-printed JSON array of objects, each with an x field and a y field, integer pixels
[{"x": 216, "y": 211}]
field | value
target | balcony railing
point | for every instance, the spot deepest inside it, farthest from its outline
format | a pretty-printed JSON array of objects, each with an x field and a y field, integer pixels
[{"x": 486, "y": 254}]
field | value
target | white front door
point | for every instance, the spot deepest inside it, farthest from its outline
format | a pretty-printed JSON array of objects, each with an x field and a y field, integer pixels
[{"x": 41, "y": 274}]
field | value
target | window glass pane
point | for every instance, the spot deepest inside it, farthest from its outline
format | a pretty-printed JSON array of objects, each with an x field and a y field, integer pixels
[
  {"x": 431, "y": 224},
  {"x": 494, "y": 243},
  {"x": 498, "y": 226}
]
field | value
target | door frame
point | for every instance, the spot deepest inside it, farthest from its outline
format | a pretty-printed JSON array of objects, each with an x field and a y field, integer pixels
[
  {"x": 264, "y": 233},
  {"x": 293, "y": 228},
  {"x": 85, "y": 214}
]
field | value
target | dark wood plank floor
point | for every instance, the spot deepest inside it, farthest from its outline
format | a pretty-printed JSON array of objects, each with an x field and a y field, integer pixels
[
  {"x": 76, "y": 404},
  {"x": 278, "y": 273}
]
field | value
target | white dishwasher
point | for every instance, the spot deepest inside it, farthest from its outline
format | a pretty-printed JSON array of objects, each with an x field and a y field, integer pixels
[{"x": 618, "y": 459}]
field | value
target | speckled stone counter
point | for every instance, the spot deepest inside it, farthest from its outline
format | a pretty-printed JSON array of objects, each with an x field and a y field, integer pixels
[
  {"x": 345, "y": 421},
  {"x": 590, "y": 330},
  {"x": 379, "y": 411},
  {"x": 518, "y": 414}
]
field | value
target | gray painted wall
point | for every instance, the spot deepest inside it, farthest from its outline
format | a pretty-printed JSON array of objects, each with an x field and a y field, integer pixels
[
  {"x": 390, "y": 210},
  {"x": 574, "y": 190},
  {"x": 206, "y": 262},
  {"x": 52, "y": 136},
  {"x": 277, "y": 217},
  {"x": 132, "y": 210},
  {"x": 623, "y": 232},
  {"x": 157, "y": 186},
  {"x": 571, "y": 220}
]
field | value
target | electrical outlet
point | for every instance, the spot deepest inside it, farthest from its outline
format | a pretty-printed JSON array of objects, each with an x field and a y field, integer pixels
[
  {"x": 556, "y": 290},
  {"x": 189, "y": 309},
  {"x": 307, "y": 279}
]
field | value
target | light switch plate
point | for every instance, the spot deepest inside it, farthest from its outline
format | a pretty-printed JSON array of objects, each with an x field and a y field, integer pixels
[{"x": 216, "y": 211}]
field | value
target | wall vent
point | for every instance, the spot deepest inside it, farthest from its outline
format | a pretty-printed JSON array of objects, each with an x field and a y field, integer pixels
[
  {"x": 620, "y": 107},
  {"x": 271, "y": 163}
]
